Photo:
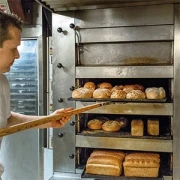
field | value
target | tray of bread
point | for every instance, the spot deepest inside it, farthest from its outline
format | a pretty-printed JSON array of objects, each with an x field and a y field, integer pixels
[
  {"x": 119, "y": 93},
  {"x": 148, "y": 128},
  {"x": 115, "y": 164}
]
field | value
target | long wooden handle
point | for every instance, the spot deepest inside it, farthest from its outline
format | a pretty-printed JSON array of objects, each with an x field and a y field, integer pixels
[{"x": 38, "y": 122}]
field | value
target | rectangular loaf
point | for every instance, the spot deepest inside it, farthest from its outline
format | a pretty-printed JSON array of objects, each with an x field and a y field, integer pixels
[
  {"x": 153, "y": 127},
  {"x": 137, "y": 127}
]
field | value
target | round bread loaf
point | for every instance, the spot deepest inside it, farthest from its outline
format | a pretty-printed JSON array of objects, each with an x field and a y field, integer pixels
[
  {"x": 82, "y": 93},
  {"x": 119, "y": 94},
  {"x": 129, "y": 88},
  {"x": 102, "y": 93},
  {"x": 95, "y": 124},
  {"x": 117, "y": 87},
  {"x": 105, "y": 85},
  {"x": 90, "y": 85},
  {"x": 136, "y": 94},
  {"x": 155, "y": 93},
  {"x": 111, "y": 126}
]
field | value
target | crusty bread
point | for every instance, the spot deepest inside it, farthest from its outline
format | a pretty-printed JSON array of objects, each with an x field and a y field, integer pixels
[
  {"x": 119, "y": 94},
  {"x": 90, "y": 85},
  {"x": 117, "y": 87},
  {"x": 137, "y": 128},
  {"x": 82, "y": 93},
  {"x": 141, "y": 165},
  {"x": 95, "y": 124},
  {"x": 111, "y": 126},
  {"x": 117, "y": 154},
  {"x": 129, "y": 88},
  {"x": 104, "y": 165},
  {"x": 155, "y": 93},
  {"x": 102, "y": 93},
  {"x": 136, "y": 94},
  {"x": 105, "y": 85},
  {"x": 153, "y": 127}
]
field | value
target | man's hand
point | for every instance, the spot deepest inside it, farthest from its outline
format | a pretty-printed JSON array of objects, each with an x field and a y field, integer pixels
[{"x": 61, "y": 122}]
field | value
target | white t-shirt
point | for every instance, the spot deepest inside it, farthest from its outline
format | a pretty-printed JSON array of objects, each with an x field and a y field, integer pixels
[{"x": 4, "y": 106}]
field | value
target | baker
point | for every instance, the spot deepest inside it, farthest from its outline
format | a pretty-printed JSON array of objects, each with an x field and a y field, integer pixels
[{"x": 10, "y": 38}]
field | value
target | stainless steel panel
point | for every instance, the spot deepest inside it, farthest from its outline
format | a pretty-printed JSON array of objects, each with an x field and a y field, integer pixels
[
  {"x": 176, "y": 122},
  {"x": 130, "y": 16},
  {"x": 124, "y": 143},
  {"x": 124, "y": 34},
  {"x": 149, "y": 53},
  {"x": 63, "y": 79},
  {"x": 124, "y": 72},
  {"x": 164, "y": 109}
]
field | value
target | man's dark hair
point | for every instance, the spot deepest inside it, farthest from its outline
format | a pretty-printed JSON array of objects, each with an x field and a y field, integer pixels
[{"x": 6, "y": 21}]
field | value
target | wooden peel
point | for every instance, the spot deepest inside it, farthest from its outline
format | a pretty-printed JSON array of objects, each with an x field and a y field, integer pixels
[{"x": 38, "y": 122}]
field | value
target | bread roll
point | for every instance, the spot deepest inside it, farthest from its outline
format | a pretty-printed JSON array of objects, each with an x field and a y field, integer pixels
[
  {"x": 155, "y": 93},
  {"x": 105, "y": 85},
  {"x": 104, "y": 165},
  {"x": 137, "y": 128},
  {"x": 102, "y": 93},
  {"x": 95, "y": 124},
  {"x": 136, "y": 94},
  {"x": 141, "y": 165},
  {"x": 82, "y": 93},
  {"x": 117, "y": 87},
  {"x": 111, "y": 126},
  {"x": 129, "y": 88},
  {"x": 119, "y": 94},
  {"x": 153, "y": 127},
  {"x": 90, "y": 85}
]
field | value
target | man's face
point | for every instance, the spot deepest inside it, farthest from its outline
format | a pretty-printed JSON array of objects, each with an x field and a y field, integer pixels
[{"x": 9, "y": 51}]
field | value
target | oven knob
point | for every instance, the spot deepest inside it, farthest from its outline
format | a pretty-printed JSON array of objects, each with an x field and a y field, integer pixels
[
  {"x": 72, "y": 26},
  {"x": 71, "y": 156},
  {"x": 72, "y": 88},
  {"x": 60, "y": 100},
  {"x": 59, "y": 65},
  {"x": 72, "y": 123},
  {"x": 61, "y": 135}
]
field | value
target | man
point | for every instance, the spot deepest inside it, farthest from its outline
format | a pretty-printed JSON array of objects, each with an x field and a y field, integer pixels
[{"x": 10, "y": 37}]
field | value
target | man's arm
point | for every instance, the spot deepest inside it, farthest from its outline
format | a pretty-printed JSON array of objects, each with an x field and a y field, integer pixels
[{"x": 17, "y": 118}]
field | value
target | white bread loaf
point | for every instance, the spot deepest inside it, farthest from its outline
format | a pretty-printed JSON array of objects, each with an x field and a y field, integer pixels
[
  {"x": 82, "y": 93},
  {"x": 155, "y": 93},
  {"x": 102, "y": 93}
]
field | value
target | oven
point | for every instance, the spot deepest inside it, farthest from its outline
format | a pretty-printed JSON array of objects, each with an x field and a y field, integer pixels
[{"x": 125, "y": 45}]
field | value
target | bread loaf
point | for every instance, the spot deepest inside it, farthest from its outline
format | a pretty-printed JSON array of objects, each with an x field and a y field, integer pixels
[
  {"x": 155, "y": 93},
  {"x": 117, "y": 87},
  {"x": 119, "y": 94},
  {"x": 95, "y": 124},
  {"x": 105, "y": 85},
  {"x": 141, "y": 165},
  {"x": 136, "y": 94},
  {"x": 111, "y": 126},
  {"x": 104, "y": 165},
  {"x": 102, "y": 93},
  {"x": 129, "y": 88},
  {"x": 90, "y": 85},
  {"x": 137, "y": 128},
  {"x": 82, "y": 93},
  {"x": 153, "y": 127}
]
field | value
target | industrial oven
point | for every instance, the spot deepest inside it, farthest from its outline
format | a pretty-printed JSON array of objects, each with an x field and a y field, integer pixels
[{"x": 120, "y": 45}]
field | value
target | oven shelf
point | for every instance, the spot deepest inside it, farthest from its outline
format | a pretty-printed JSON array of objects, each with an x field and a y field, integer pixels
[
  {"x": 121, "y": 134},
  {"x": 117, "y": 100}
]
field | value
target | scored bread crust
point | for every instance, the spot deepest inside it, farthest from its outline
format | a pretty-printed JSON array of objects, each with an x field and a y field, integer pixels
[
  {"x": 102, "y": 93},
  {"x": 119, "y": 94},
  {"x": 111, "y": 126},
  {"x": 95, "y": 124},
  {"x": 155, "y": 93},
  {"x": 82, "y": 93},
  {"x": 136, "y": 94}
]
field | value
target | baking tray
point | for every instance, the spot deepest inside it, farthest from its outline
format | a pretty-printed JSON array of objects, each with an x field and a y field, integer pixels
[
  {"x": 120, "y": 134},
  {"x": 117, "y": 100},
  {"x": 122, "y": 177}
]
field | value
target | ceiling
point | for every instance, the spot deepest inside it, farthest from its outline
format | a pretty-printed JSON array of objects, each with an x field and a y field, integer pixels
[{"x": 71, "y": 5}]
